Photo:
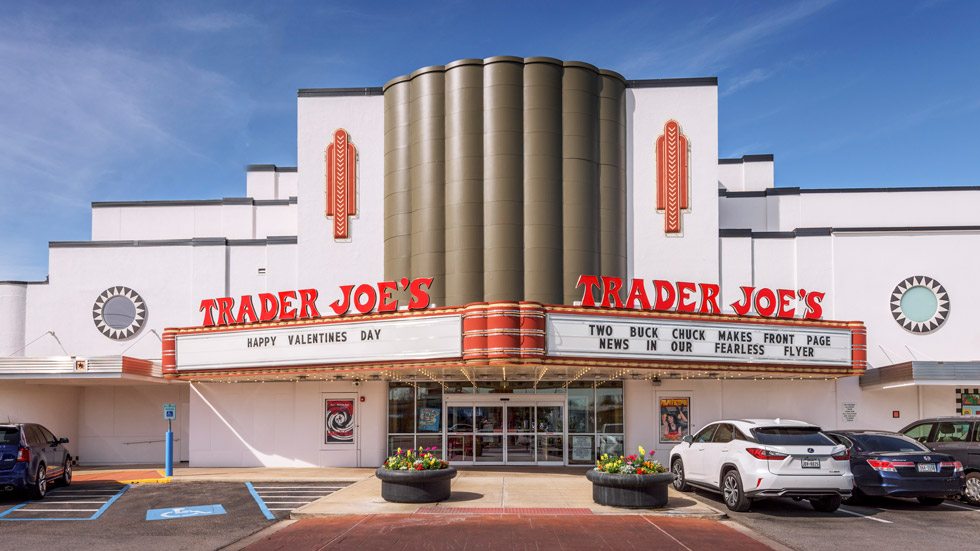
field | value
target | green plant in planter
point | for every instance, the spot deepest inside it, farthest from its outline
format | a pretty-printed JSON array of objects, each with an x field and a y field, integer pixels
[
  {"x": 633, "y": 464},
  {"x": 421, "y": 459}
]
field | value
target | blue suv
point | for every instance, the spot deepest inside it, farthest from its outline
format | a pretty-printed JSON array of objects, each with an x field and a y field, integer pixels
[{"x": 31, "y": 457}]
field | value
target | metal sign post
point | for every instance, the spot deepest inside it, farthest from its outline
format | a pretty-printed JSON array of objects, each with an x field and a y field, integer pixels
[{"x": 169, "y": 414}]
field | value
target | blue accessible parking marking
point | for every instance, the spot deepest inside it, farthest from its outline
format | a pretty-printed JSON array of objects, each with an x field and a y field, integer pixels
[{"x": 185, "y": 512}]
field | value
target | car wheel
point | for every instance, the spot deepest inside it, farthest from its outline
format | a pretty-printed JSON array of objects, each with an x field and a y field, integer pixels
[
  {"x": 65, "y": 479},
  {"x": 972, "y": 492},
  {"x": 680, "y": 483},
  {"x": 735, "y": 498},
  {"x": 931, "y": 501},
  {"x": 826, "y": 504},
  {"x": 39, "y": 488}
]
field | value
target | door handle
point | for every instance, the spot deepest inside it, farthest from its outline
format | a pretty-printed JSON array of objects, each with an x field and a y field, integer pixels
[{"x": 724, "y": 449}]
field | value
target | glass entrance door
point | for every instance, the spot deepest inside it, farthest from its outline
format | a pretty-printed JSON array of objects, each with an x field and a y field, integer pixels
[
  {"x": 521, "y": 433},
  {"x": 488, "y": 445}
]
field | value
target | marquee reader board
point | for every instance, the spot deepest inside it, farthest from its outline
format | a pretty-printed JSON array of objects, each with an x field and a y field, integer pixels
[
  {"x": 418, "y": 338},
  {"x": 695, "y": 340}
]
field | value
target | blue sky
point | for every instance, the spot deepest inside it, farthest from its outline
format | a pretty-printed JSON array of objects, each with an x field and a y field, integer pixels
[{"x": 165, "y": 100}]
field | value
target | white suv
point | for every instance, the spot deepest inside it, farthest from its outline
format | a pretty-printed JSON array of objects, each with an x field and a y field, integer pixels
[{"x": 754, "y": 458}]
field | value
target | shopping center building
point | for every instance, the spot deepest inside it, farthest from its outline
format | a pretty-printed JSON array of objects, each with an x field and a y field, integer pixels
[{"x": 516, "y": 260}]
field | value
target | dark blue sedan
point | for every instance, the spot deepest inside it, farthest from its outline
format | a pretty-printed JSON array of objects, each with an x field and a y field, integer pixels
[
  {"x": 31, "y": 458},
  {"x": 894, "y": 465}
]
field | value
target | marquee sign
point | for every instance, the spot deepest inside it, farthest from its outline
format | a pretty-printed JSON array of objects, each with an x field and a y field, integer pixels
[
  {"x": 420, "y": 338},
  {"x": 702, "y": 298},
  {"x": 301, "y": 304},
  {"x": 687, "y": 340}
]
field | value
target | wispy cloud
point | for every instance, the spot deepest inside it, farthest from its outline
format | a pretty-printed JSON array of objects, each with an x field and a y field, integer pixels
[
  {"x": 214, "y": 22},
  {"x": 79, "y": 114},
  {"x": 945, "y": 108},
  {"x": 752, "y": 77},
  {"x": 712, "y": 44}
]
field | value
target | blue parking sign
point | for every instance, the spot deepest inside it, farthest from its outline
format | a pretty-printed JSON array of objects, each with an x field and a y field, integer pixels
[
  {"x": 169, "y": 412},
  {"x": 185, "y": 512}
]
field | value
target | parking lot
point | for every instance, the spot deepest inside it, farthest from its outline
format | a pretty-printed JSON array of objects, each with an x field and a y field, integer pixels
[
  {"x": 192, "y": 515},
  {"x": 877, "y": 524}
]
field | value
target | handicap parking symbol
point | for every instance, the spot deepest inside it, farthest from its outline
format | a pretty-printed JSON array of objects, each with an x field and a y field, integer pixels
[{"x": 185, "y": 512}]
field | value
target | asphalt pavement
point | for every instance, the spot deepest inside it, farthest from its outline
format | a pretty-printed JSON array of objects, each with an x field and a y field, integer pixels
[
  {"x": 882, "y": 523},
  {"x": 205, "y": 515}
]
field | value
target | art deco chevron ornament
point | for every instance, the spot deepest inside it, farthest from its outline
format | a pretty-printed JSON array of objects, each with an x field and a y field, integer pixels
[
  {"x": 673, "y": 193},
  {"x": 341, "y": 183}
]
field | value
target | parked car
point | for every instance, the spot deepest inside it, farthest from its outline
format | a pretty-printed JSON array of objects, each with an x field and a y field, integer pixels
[
  {"x": 745, "y": 459},
  {"x": 891, "y": 464},
  {"x": 955, "y": 436},
  {"x": 30, "y": 457}
]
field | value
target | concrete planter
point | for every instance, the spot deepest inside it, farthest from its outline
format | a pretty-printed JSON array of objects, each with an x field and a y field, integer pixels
[
  {"x": 635, "y": 491},
  {"x": 415, "y": 486}
]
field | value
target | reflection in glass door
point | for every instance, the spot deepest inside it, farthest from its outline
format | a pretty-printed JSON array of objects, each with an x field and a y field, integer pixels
[
  {"x": 551, "y": 434},
  {"x": 489, "y": 442},
  {"x": 520, "y": 434},
  {"x": 459, "y": 433}
]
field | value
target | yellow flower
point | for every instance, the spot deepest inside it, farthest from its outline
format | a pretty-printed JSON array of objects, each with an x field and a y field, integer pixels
[{"x": 643, "y": 452}]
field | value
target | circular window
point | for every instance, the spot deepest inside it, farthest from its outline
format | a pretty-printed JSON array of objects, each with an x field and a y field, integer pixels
[
  {"x": 920, "y": 304},
  {"x": 119, "y": 312}
]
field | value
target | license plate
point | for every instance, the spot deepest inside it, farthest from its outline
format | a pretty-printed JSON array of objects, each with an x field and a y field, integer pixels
[
  {"x": 811, "y": 463},
  {"x": 926, "y": 467}
]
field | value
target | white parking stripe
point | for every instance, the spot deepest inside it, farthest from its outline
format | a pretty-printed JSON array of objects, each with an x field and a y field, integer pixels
[
  {"x": 960, "y": 507},
  {"x": 64, "y": 502},
  {"x": 53, "y": 510},
  {"x": 106, "y": 492},
  {"x": 297, "y": 487},
  {"x": 277, "y": 497},
  {"x": 864, "y": 516}
]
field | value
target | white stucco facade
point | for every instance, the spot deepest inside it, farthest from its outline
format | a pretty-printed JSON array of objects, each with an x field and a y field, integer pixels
[{"x": 742, "y": 230}]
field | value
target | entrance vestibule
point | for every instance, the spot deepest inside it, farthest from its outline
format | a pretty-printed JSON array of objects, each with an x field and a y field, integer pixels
[{"x": 517, "y": 430}]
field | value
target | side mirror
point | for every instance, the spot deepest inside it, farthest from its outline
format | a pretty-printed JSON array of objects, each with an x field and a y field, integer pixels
[
  {"x": 689, "y": 439},
  {"x": 62, "y": 440}
]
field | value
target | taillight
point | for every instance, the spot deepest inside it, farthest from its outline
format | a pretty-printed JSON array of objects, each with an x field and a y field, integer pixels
[
  {"x": 887, "y": 466},
  {"x": 843, "y": 456},
  {"x": 956, "y": 465},
  {"x": 23, "y": 454},
  {"x": 760, "y": 453}
]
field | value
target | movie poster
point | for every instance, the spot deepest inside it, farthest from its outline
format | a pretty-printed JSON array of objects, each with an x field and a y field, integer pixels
[
  {"x": 674, "y": 419},
  {"x": 340, "y": 422},
  {"x": 429, "y": 419}
]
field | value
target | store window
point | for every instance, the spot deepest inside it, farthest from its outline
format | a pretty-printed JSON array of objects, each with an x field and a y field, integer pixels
[
  {"x": 415, "y": 416},
  {"x": 429, "y": 408},
  {"x": 595, "y": 420}
]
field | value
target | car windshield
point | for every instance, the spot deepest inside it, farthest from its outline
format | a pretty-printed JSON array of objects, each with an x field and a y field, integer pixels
[
  {"x": 9, "y": 435},
  {"x": 791, "y": 436},
  {"x": 885, "y": 443}
]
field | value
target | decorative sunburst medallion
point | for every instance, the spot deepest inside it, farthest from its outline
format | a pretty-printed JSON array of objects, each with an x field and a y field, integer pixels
[
  {"x": 119, "y": 313},
  {"x": 920, "y": 304}
]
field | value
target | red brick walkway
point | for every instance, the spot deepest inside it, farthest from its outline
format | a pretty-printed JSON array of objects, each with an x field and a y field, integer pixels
[{"x": 507, "y": 532}]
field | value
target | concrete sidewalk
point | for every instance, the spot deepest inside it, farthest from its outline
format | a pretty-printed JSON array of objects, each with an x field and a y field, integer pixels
[
  {"x": 155, "y": 473},
  {"x": 499, "y": 490}
]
